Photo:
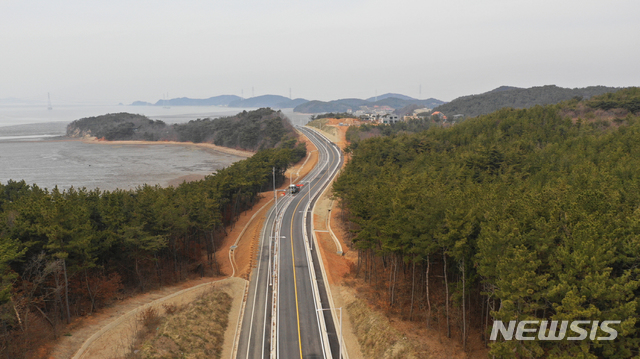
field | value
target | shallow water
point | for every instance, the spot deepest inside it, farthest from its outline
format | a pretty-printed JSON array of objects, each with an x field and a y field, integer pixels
[
  {"x": 30, "y": 149},
  {"x": 75, "y": 163}
]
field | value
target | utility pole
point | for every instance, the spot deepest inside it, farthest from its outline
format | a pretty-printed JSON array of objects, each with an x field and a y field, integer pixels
[
  {"x": 275, "y": 194},
  {"x": 309, "y": 201},
  {"x": 272, "y": 237}
]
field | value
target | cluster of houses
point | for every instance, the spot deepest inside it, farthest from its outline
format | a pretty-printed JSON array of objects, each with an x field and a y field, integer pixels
[
  {"x": 377, "y": 114},
  {"x": 385, "y": 115},
  {"x": 386, "y": 118}
]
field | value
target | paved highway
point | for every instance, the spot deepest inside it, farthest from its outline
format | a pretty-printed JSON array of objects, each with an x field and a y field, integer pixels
[{"x": 288, "y": 262}]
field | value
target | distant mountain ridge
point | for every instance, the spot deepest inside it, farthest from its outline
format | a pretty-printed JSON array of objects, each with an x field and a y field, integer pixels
[
  {"x": 395, "y": 101},
  {"x": 388, "y": 95},
  {"x": 507, "y": 96},
  {"x": 273, "y": 101},
  {"x": 505, "y": 88},
  {"x": 222, "y": 100}
]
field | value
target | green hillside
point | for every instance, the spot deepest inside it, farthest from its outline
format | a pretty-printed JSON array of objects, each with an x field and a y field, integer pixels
[
  {"x": 505, "y": 96},
  {"x": 528, "y": 214}
]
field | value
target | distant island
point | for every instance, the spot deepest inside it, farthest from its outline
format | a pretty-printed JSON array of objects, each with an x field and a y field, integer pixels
[
  {"x": 272, "y": 101},
  {"x": 391, "y": 101},
  {"x": 248, "y": 130}
]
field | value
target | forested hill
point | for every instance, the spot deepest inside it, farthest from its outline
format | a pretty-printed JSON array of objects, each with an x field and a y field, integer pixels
[
  {"x": 505, "y": 96},
  {"x": 253, "y": 130},
  {"x": 529, "y": 214}
]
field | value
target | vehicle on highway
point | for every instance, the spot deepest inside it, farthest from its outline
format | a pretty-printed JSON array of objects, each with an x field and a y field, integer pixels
[{"x": 295, "y": 188}]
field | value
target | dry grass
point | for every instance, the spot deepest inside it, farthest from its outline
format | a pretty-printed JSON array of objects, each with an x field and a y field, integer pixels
[
  {"x": 149, "y": 318},
  {"x": 581, "y": 112},
  {"x": 169, "y": 308},
  {"x": 378, "y": 339},
  {"x": 195, "y": 330},
  {"x": 322, "y": 125}
]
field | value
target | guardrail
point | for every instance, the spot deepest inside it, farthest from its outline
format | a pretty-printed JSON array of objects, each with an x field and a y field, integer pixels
[
  {"x": 314, "y": 287},
  {"x": 275, "y": 324},
  {"x": 318, "y": 253},
  {"x": 330, "y": 177}
]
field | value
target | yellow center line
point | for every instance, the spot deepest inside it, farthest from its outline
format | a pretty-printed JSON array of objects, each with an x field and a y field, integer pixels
[
  {"x": 293, "y": 257},
  {"x": 295, "y": 282}
]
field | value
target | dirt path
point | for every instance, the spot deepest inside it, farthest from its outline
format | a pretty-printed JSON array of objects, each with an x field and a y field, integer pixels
[
  {"x": 84, "y": 327},
  {"x": 117, "y": 338}
]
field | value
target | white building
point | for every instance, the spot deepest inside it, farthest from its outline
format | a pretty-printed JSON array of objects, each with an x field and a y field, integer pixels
[{"x": 389, "y": 118}]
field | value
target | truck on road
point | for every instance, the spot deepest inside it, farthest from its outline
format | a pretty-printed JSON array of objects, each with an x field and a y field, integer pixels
[{"x": 295, "y": 188}]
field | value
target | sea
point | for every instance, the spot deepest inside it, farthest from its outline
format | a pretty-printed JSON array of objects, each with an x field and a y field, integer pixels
[{"x": 33, "y": 148}]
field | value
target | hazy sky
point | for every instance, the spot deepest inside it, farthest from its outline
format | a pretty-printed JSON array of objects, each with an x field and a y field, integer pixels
[{"x": 121, "y": 51}]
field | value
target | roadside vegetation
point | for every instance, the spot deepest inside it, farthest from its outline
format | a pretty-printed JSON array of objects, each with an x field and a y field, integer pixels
[
  {"x": 377, "y": 338},
  {"x": 195, "y": 330},
  {"x": 321, "y": 124},
  {"x": 357, "y": 133},
  {"x": 65, "y": 254},
  {"x": 518, "y": 215}
]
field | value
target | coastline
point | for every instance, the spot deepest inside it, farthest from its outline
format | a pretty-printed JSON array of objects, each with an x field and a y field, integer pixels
[{"x": 226, "y": 150}]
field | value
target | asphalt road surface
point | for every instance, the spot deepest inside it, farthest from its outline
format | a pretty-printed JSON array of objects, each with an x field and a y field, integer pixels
[{"x": 288, "y": 263}]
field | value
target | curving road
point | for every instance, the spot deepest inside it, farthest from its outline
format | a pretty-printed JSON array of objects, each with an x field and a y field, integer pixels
[{"x": 281, "y": 317}]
